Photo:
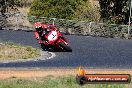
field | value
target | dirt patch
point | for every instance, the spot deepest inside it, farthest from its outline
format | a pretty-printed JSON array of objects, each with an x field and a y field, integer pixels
[{"x": 40, "y": 73}]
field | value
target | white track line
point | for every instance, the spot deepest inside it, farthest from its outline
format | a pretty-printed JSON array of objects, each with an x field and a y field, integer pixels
[{"x": 52, "y": 55}]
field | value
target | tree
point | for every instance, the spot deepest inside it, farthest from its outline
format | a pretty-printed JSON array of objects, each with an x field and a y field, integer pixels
[
  {"x": 4, "y": 4},
  {"x": 117, "y": 9},
  {"x": 53, "y": 8}
]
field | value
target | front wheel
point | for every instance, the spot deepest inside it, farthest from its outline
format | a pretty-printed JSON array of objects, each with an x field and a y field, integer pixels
[
  {"x": 44, "y": 47},
  {"x": 65, "y": 47}
]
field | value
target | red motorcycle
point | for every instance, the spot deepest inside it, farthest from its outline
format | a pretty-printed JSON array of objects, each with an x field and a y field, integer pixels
[{"x": 56, "y": 41}]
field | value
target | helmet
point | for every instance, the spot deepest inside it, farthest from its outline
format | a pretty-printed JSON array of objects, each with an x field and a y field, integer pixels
[
  {"x": 45, "y": 26},
  {"x": 38, "y": 25}
]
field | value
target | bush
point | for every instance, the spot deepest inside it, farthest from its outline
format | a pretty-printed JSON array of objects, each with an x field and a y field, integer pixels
[
  {"x": 65, "y": 9},
  {"x": 86, "y": 12}
]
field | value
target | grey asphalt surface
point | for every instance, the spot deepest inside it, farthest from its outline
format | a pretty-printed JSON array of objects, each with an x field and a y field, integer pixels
[{"x": 91, "y": 52}]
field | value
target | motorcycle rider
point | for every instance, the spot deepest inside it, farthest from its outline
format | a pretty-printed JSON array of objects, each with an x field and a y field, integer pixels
[{"x": 40, "y": 32}]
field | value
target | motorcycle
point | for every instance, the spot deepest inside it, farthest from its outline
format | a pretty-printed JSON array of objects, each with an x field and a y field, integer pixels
[{"x": 56, "y": 41}]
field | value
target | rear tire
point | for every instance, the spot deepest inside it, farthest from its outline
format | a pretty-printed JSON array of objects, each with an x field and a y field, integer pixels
[{"x": 65, "y": 47}]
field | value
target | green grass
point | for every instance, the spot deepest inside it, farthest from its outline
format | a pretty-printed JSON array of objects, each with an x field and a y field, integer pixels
[
  {"x": 10, "y": 50},
  {"x": 52, "y": 82}
]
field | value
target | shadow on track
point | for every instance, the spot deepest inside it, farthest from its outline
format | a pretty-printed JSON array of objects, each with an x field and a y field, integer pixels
[{"x": 53, "y": 49}]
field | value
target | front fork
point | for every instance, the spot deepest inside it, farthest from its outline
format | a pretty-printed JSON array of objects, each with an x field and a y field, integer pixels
[{"x": 61, "y": 40}]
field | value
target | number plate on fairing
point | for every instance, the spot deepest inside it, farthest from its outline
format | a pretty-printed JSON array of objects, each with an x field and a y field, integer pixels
[{"x": 52, "y": 36}]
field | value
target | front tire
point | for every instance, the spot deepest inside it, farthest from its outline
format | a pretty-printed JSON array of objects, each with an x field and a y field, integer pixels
[
  {"x": 44, "y": 47},
  {"x": 65, "y": 47}
]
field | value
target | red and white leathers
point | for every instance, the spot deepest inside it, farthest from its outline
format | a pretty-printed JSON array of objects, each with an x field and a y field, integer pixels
[{"x": 40, "y": 28}]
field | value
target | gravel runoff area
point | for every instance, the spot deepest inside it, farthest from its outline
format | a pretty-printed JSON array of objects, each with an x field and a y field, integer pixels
[{"x": 33, "y": 73}]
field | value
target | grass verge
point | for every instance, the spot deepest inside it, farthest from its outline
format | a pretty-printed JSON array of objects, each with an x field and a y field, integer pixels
[
  {"x": 11, "y": 51},
  {"x": 54, "y": 82}
]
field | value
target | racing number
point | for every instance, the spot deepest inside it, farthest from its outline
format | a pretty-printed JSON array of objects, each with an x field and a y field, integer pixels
[{"x": 52, "y": 36}]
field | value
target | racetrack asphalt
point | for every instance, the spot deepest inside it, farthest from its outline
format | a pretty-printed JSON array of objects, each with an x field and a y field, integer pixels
[{"x": 90, "y": 52}]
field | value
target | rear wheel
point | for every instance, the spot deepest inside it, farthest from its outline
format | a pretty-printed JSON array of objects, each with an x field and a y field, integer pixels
[{"x": 65, "y": 47}]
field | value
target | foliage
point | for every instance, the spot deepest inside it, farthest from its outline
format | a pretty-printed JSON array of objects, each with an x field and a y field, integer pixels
[
  {"x": 86, "y": 12},
  {"x": 117, "y": 11},
  {"x": 65, "y": 9},
  {"x": 112, "y": 11},
  {"x": 4, "y": 4}
]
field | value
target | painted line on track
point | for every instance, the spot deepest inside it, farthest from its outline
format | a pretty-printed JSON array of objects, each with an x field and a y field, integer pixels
[{"x": 52, "y": 55}]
